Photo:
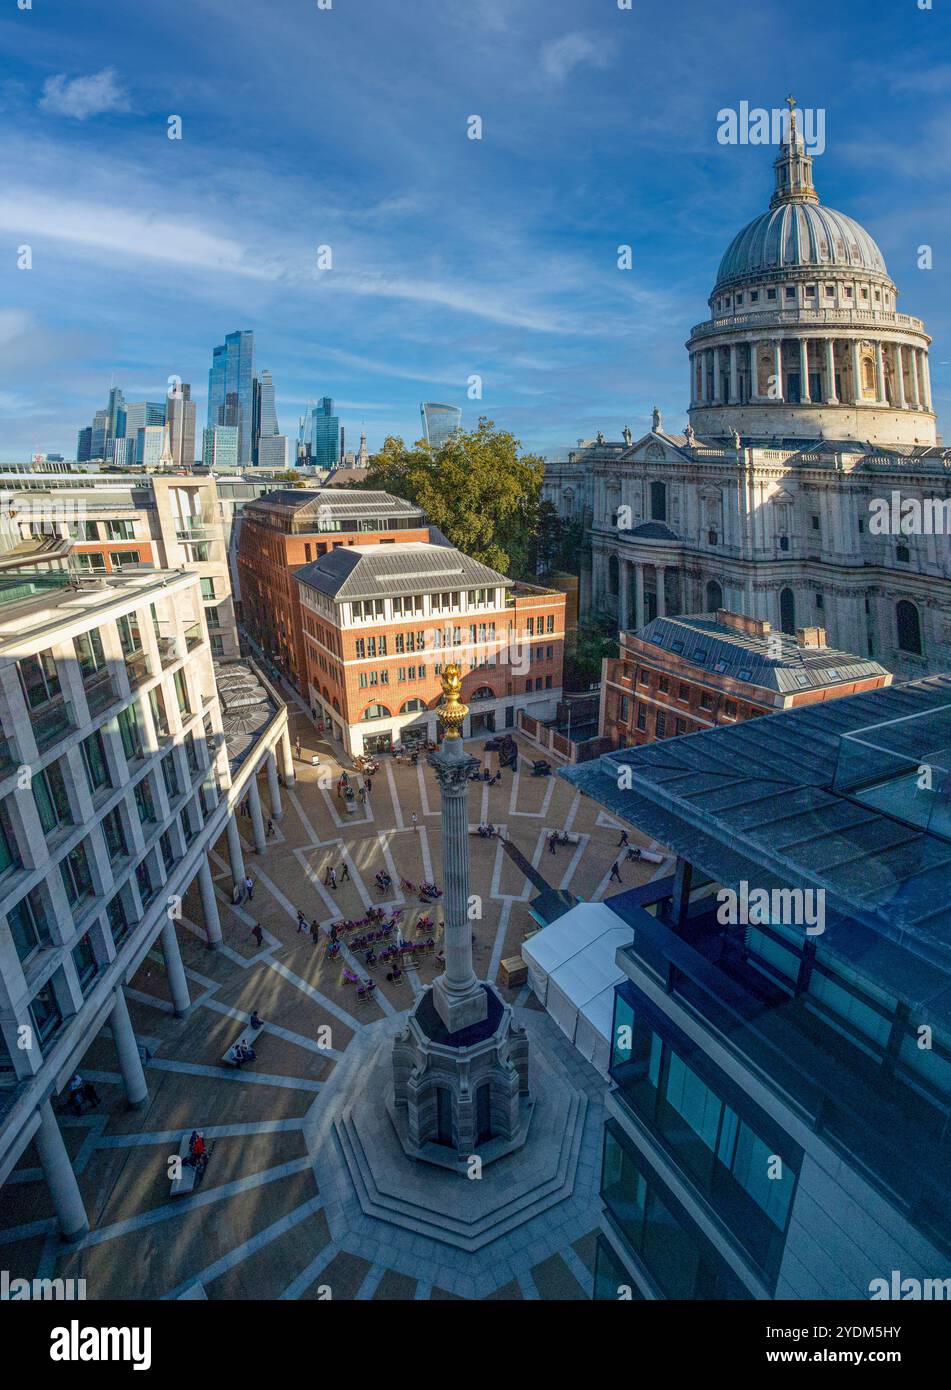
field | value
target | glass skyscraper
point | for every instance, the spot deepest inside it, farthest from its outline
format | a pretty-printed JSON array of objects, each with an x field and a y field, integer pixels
[
  {"x": 264, "y": 422},
  {"x": 231, "y": 389},
  {"x": 439, "y": 421},
  {"x": 324, "y": 435}
]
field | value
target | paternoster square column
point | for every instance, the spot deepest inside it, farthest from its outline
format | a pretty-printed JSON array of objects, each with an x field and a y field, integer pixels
[{"x": 458, "y": 996}]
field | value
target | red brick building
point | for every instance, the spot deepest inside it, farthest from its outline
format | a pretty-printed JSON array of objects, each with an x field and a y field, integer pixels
[
  {"x": 381, "y": 624},
  {"x": 287, "y": 529},
  {"x": 680, "y": 675}
]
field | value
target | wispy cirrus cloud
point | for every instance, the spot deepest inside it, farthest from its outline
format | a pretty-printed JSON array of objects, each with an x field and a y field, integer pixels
[
  {"x": 560, "y": 57},
  {"x": 82, "y": 97}
]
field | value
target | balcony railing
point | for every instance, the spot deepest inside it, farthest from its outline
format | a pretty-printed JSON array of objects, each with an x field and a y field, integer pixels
[
  {"x": 194, "y": 636},
  {"x": 51, "y": 723},
  {"x": 101, "y": 692},
  {"x": 168, "y": 650}
]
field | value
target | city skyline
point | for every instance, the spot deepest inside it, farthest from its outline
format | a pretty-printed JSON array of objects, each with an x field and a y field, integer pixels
[{"x": 451, "y": 257}]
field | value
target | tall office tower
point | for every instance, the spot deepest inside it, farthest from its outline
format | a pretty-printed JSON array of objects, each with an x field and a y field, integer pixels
[
  {"x": 272, "y": 452},
  {"x": 151, "y": 446},
  {"x": 219, "y": 447},
  {"x": 138, "y": 414},
  {"x": 264, "y": 414},
  {"x": 231, "y": 389},
  {"x": 100, "y": 434},
  {"x": 115, "y": 412},
  {"x": 439, "y": 421},
  {"x": 181, "y": 422},
  {"x": 84, "y": 445},
  {"x": 324, "y": 435}
]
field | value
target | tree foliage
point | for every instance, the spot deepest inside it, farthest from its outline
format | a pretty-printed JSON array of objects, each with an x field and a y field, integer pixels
[
  {"x": 585, "y": 648},
  {"x": 476, "y": 487}
]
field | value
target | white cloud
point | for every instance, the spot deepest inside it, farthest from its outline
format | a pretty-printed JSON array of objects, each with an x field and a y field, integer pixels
[
  {"x": 559, "y": 57},
  {"x": 84, "y": 96}
]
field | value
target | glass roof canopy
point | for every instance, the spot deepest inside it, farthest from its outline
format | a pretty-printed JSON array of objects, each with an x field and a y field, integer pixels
[{"x": 901, "y": 767}]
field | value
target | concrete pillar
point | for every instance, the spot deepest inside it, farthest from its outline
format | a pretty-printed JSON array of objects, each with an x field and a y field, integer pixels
[
  {"x": 60, "y": 1178},
  {"x": 856, "y": 371},
  {"x": 235, "y": 853},
  {"x": 880, "y": 373},
  {"x": 661, "y": 603},
  {"x": 900, "y": 375},
  {"x": 287, "y": 759},
  {"x": 130, "y": 1063},
  {"x": 830, "y": 393},
  {"x": 175, "y": 970},
  {"x": 273, "y": 785},
  {"x": 734, "y": 375},
  {"x": 778, "y": 369},
  {"x": 257, "y": 816},
  {"x": 639, "y": 596},
  {"x": 209, "y": 903},
  {"x": 804, "y": 393}
]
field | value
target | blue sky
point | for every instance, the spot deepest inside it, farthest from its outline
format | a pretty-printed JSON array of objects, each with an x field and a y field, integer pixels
[{"x": 451, "y": 257}]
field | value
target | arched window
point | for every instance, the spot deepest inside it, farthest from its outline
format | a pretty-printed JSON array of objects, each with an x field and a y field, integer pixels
[
  {"x": 412, "y": 706},
  {"x": 376, "y": 712},
  {"x": 658, "y": 501},
  {"x": 787, "y": 611},
  {"x": 337, "y": 706},
  {"x": 714, "y": 596},
  {"x": 908, "y": 624},
  {"x": 868, "y": 376},
  {"x": 614, "y": 572},
  {"x": 484, "y": 692}
]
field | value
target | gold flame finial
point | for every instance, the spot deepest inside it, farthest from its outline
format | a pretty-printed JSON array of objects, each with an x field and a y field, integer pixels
[{"x": 452, "y": 711}]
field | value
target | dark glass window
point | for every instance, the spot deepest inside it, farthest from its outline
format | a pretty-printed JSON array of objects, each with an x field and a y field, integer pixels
[
  {"x": 28, "y": 924},
  {"x": 9, "y": 854},
  {"x": 46, "y": 1013},
  {"x": 85, "y": 959},
  {"x": 94, "y": 761},
  {"x": 52, "y": 803},
  {"x": 74, "y": 870}
]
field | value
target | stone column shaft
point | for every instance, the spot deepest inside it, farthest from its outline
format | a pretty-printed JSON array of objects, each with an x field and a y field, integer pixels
[
  {"x": 856, "y": 372},
  {"x": 804, "y": 392},
  {"x": 778, "y": 369},
  {"x": 639, "y": 595},
  {"x": 257, "y": 816},
  {"x": 235, "y": 852},
  {"x": 130, "y": 1063},
  {"x": 287, "y": 760},
  {"x": 457, "y": 994},
  {"x": 175, "y": 970},
  {"x": 209, "y": 904},
  {"x": 60, "y": 1178},
  {"x": 273, "y": 785},
  {"x": 900, "y": 375},
  {"x": 880, "y": 373},
  {"x": 831, "y": 398},
  {"x": 734, "y": 375}
]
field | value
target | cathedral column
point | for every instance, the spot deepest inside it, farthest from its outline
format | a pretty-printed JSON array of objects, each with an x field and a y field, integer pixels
[
  {"x": 717, "y": 383},
  {"x": 639, "y": 595},
  {"x": 734, "y": 375},
  {"x": 925, "y": 380},
  {"x": 661, "y": 601},
  {"x": 880, "y": 373},
  {"x": 900, "y": 375},
  {"x": 830, "y": 393},
  {"x": 624, "y": 583},
  {"x": 913, "y": 375},
  {"x": 755, "y": 345},
  {"x": 777, "y": 345},
  {"x": 856, "y": 372},
  {"x": 804, "y": 394}
]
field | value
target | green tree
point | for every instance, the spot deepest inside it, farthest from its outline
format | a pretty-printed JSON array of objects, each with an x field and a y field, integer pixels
[
  {"x": 585, "y": 648},
  {"x": 477, "y": 488}
]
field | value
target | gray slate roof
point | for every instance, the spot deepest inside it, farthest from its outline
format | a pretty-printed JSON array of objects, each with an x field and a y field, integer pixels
[
  {"x": 386, "y": 571},
  {"x": 755, "y": 801},
  {"x": 723, "y": 651}
]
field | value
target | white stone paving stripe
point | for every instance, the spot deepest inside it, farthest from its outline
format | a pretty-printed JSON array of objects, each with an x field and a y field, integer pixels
[
  {"x": 499, "y": 943},
  {"x": 394, "y": 796},
  {"x": 579, "y": 1269},
  {"x": 236, "y": 1075},
  {"x": 527, "y": 1284},
  {"x": 582, "y": 845},
  {"x": 307, "y": 1275},
  {"x": 298, "y": 1039},
  {"x": 248, "y": 1247},
  {"x": 316, "y": 995},
  {"x": 171, "y": 1136},
  {"x": 371, "y": 1282}
]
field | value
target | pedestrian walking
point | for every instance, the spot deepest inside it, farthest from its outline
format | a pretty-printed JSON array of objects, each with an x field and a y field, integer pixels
[
  {"x": 615, "y": 873},
  {"x": 330, "y": 878},
  {"x": 344, "y": 873},
  {"x": 257, "y": 933},
  {"x": 314, "y": 931},
  {"x": 301, "y": 921},
  {"x": 249, "y": 887},
  {"x": 551, "y": 843},
  {"x": 415, "y": 826},
  {"x": 297, "y": 747},
  {"x": 270, "y": 827},
  {"x": 622, "y": 840},
  {"x": 368, "y": 783}
]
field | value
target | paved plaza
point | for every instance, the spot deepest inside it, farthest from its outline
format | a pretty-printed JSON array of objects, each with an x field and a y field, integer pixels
[{"x": 275, "y": 1216}]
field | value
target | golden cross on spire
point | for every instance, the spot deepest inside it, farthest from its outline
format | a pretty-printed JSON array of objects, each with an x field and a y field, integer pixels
[{"x": 790, "y": 102}]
